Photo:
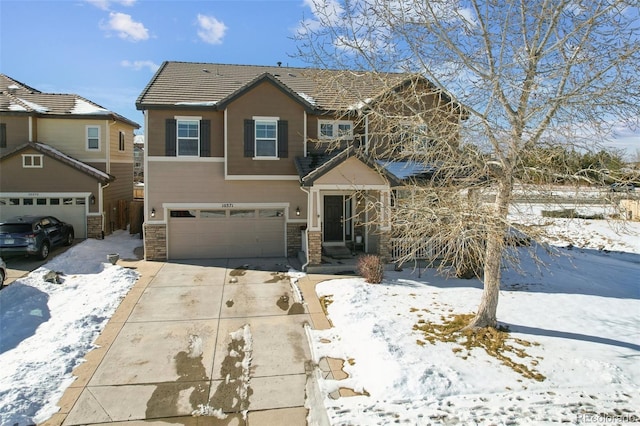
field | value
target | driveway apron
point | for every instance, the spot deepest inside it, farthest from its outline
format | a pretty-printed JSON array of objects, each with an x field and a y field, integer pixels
[{"x": 220, "y": 338}]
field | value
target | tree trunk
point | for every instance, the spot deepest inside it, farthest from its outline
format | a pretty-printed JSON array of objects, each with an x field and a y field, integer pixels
[
  {"x": 487, "y": 311},
  {"x": 486, "y": 316}
]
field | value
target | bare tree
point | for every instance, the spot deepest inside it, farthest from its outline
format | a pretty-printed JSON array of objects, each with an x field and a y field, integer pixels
[{"x": 520, "y": 76}]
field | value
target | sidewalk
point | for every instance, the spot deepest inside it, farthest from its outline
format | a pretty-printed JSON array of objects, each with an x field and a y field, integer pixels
[{"x": 176, "y": 341}]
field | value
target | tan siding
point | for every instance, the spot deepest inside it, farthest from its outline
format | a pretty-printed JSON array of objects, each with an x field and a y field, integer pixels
[
  {"x": 116, "y": 155},
  {"x": 264, "y": 100},
  {"x": 155, "y": 138},
  {"x": 351, "y": 172},
  {"x": 176, "y": 182},
  {"x": 15, "y": 178},
  {"x": 17, "y": 131},
  {"x": 69, "y": 136},
  {"x": 122, "y": 187}
]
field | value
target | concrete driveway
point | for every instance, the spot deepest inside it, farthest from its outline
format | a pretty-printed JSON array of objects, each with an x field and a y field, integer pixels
[{"x": 218, "y": 336}]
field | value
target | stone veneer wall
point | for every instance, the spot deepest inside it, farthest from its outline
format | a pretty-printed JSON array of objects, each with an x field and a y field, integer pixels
[
  {"x": 294, "y": 239},
  {"x": 384, "y": 246},
  {"x": 315, "y": 247},
  {"x": 94, "y": 226},
  {"x": 155, "y": 242}
]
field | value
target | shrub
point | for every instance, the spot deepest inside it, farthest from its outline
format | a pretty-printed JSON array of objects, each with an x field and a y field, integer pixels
[{"x": 371, "y": 268}]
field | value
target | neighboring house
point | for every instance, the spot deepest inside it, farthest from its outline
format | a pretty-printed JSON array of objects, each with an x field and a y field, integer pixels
[
  {"x": 138, "y": 158},
  {"x": 63, "y": 155},
  {"x": 232, "y": 168}
]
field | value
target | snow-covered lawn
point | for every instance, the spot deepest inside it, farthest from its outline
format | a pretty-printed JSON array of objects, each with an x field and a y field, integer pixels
[
  {"x": 47, "y": 328},
  {"x": 580, "y": 314}
]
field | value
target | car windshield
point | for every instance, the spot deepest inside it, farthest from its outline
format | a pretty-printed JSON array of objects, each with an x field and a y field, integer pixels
[{"x": 15, "y": 228}]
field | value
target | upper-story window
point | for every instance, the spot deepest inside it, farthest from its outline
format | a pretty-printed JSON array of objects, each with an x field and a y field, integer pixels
[
  {"x": 335, "y": 129},
  {"x": 414, "y": 137},
  {"x": 93, "y": 138},
  {"x": 121, "y": 141},
  {"x": 188, "y": 137},
  {"x": 266, "y": 137},
  {"x": 32, "y": 161}
]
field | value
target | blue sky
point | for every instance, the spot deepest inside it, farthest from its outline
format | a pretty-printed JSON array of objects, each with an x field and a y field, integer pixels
[{"x": 108, "y": 50}]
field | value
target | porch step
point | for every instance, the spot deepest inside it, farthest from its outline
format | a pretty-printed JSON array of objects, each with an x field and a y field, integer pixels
[{"x": 337, "y": 252}]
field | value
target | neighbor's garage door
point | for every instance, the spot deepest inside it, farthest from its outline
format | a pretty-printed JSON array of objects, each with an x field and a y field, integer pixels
[
  {"x": 223, "y": 233},
  {"x": 68, "y": 209}
]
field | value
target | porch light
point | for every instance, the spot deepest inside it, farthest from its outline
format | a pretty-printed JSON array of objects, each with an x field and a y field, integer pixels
[
  {"x": 297, "y": 211},
  {"x": 92, "y": 199},
  {"x": 153, "y": 212}
]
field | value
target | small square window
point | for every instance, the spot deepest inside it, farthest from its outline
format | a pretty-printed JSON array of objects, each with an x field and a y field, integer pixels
[
  {"x": 32, "y": 161},
  {"x": 67, "y": 201},
  {"x": 41, "y": 201},
  {"x": 27, "y": 201},
  {"x": 54, "y": 201}
]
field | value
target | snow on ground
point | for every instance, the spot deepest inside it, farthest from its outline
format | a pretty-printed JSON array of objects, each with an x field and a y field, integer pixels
[
  {"x": 47, "y": 328},
  {"x": 581, "y": 312}
]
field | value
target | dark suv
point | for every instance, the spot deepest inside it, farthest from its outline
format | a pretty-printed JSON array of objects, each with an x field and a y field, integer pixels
[{"x": 34, "y": 235}]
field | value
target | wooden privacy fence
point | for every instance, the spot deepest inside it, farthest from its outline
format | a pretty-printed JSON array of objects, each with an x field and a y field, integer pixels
[{"x": 136, "y": 217}]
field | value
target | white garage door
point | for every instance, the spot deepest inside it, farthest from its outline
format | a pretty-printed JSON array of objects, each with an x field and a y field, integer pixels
[
  {"x": 220, "y": 233},
  {"x": 68, "y": 209}
]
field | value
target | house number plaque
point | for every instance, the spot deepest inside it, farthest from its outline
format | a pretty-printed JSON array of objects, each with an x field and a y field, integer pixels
[{"x": 227, "y": 205}]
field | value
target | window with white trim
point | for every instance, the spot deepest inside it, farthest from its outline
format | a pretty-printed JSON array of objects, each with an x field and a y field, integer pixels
[
  {"x": 335, "y": 129},
  {"x": 188, "y": 140},
  {"x": 121, "y": 143},
  {"x": 266, "y": 133},
  {"x": 414, "y": 137},
  {"x": 32, "y": 161},
  {"x": 93, "y": 138}
]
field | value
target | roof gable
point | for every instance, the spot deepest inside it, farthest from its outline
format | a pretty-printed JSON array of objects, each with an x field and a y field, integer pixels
[
  {"x": 270, "y": 79},
  {"x": 313, "y": 169},
  {"x": 62, "y": 157}
]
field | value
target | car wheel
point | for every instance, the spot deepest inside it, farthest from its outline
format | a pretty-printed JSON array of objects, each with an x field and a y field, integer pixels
[
  {"x": 2, "y": 277},
  {"x": 69, "y": 239},
  {"x": 44, "y": 251}
]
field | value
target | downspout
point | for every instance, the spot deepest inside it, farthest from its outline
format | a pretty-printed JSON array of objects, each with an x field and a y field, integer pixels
[
  {"x": 306, "y": 231},
  {"x": 101, "y": 206}
]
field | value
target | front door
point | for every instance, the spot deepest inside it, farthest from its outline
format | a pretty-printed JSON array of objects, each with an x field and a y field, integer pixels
[{"x": 333, "y": 218}]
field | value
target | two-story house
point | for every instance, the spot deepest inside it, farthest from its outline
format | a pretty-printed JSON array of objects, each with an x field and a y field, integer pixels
[
  {"x": 236, "y": 166},
  {"x": 63, "y": 155}
]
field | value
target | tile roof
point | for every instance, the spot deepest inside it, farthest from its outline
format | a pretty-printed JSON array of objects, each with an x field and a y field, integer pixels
[
  {"x": 19, "y": 98},
  {"x": 209, "y": 84}
]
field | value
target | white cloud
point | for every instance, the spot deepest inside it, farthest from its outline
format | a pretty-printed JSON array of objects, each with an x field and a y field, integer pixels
[
  {"x": 138, "y": 65},
  {"x": 105, "y": 4},
  {"x": 126, "y": 27},
  {"x": 211, "y": 30}
]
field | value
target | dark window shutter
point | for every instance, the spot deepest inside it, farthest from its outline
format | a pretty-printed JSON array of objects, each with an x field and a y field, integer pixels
[
  {"x": 283, "y": 138},
  {"x": 170, "y": 138},
  {"x": 3, "y": 135},
  {"x": 205, "y": 138},
  {"x": 249, "y": 138}
]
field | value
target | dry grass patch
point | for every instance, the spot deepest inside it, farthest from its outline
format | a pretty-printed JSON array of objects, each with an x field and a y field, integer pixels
[{"x": 496, "y": 342}]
